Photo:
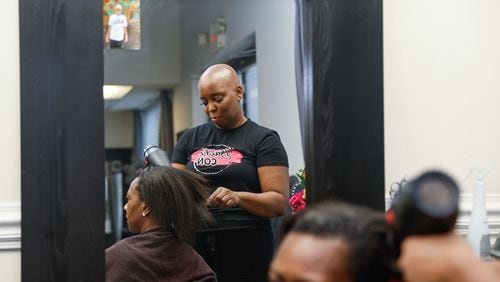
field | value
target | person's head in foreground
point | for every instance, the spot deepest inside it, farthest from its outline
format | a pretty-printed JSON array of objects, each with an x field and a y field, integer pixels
[
  {"x": 333, "y": 241},
  {"x": 167, "y": 198}
]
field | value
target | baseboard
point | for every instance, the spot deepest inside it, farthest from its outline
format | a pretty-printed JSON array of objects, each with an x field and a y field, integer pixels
[{"x": 10, "y": 226}]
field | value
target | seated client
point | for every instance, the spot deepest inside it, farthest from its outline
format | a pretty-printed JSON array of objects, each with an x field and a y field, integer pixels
[{"x": 163, "y": 206}]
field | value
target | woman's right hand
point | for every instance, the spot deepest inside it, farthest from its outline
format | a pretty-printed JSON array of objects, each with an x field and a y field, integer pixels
[
  {"x": 223, "y": 197},
  {"x": 445, "y": 257}
]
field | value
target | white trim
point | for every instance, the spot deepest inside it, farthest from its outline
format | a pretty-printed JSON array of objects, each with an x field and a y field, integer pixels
[
  {"x": 10, "y": 219},
  {"x": 10, "y": 226}
]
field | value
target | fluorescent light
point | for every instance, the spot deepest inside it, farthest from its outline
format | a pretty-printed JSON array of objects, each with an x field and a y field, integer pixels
[{"x": 115, "y": 92}]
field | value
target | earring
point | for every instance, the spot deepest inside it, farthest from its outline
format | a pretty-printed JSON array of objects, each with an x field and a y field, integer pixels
[{"x": 143, "y": 213}]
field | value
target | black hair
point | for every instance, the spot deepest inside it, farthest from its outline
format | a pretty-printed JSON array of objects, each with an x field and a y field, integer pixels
[
  {"x": 176, "y": 198},
  {"x": 365, "y": 231}
]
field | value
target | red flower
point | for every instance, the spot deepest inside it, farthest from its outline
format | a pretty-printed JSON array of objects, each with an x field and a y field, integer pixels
[
  {"x": 110, "y": 6},
  {"x": 297, "y": 202}
]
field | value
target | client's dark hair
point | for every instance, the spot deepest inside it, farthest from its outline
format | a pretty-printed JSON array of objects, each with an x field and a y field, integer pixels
[
  {"x": 365, "y": 231},
  {"x": 176, "y": 198}
]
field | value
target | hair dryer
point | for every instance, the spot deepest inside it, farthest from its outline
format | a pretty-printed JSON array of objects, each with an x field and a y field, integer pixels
[
  {"x": 427, "y": 204},
  {"x": 155, "y": 156}
]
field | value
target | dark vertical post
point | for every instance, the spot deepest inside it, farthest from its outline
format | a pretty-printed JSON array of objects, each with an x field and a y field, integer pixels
[
  {"x": 62, "y": 140},
  {"x": 344, "y": 130},
  {"x": 166, "y": 124}
]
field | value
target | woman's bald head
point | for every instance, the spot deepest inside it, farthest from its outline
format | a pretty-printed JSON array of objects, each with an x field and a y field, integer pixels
[{"x": 220, "y": 73}]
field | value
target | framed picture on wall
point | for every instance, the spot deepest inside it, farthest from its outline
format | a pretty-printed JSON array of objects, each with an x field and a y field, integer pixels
[{"x": 121, "y": 21}]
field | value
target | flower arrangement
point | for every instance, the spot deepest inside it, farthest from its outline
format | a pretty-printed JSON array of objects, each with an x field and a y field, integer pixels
[{"x": 297, "y": 201}]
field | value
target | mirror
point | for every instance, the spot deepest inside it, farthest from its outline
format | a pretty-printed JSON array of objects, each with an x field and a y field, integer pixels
[
  {"x": 179, "y": 39},
  {"x": 176, "y": 47}
]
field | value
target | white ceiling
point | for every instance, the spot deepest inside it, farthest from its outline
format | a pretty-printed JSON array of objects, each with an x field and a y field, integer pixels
[{"x": 136, "y": 99}]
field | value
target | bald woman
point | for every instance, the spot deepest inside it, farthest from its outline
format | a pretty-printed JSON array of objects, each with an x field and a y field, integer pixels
[{"x": 247, "y": 167}]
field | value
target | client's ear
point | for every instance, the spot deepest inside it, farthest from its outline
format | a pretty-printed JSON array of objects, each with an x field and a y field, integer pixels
[{"x": 145, "y": 211}]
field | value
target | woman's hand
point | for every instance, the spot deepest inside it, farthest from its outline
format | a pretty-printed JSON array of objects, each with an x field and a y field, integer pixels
[
  {"x": 447, "y": 257},
  {"x": 223, "y": 197}
]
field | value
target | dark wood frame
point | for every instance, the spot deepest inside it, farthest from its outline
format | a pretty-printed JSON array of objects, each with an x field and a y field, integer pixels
[
  {"x": 62, "y": 124},
  {"x": 341, "y": 100},
  {"x": 62, "y": 140}
]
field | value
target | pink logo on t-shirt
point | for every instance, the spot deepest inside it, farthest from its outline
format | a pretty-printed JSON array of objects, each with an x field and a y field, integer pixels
[{"x": 215, "y": 156}]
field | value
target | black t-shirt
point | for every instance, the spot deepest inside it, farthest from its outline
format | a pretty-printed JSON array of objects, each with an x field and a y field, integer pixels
[{"x": 230, "y": 158}]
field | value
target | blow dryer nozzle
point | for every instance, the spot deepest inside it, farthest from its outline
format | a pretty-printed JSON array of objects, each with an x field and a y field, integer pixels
[{"x": 155, "y": 156}]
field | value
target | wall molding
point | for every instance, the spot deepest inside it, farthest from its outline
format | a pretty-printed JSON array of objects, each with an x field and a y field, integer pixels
[
  {"x": 492, "y": 208},
  {"x": 10, "y": 226},
  {"x": 10, "y": 219}
]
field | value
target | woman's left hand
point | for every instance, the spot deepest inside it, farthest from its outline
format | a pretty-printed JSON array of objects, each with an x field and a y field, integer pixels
[{"x": 223, "y": 197}]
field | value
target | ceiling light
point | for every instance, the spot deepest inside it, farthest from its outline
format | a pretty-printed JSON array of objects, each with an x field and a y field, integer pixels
[{"x": 115, "y": 92}]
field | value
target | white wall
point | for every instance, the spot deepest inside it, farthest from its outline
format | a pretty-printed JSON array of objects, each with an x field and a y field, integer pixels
[
  {"x": 10, "y": 212},
  {"x": 442, "y": 95},
  {"x": 119, "y": 129},
  {"x": 278, "y": 107},
  {"x": 274, "y": 25}
]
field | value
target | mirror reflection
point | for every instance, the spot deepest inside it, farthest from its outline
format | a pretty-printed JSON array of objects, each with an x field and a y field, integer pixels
[{"x": 179, "y": 40}]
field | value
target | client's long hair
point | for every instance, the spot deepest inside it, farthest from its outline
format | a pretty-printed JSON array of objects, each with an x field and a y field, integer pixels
[{"x": 176, "y": 198}]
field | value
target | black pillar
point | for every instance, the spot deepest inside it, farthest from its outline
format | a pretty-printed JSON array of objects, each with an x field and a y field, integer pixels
[
  {"x": 341, "y": 99},
  {"x": 62, "y": 140}
]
